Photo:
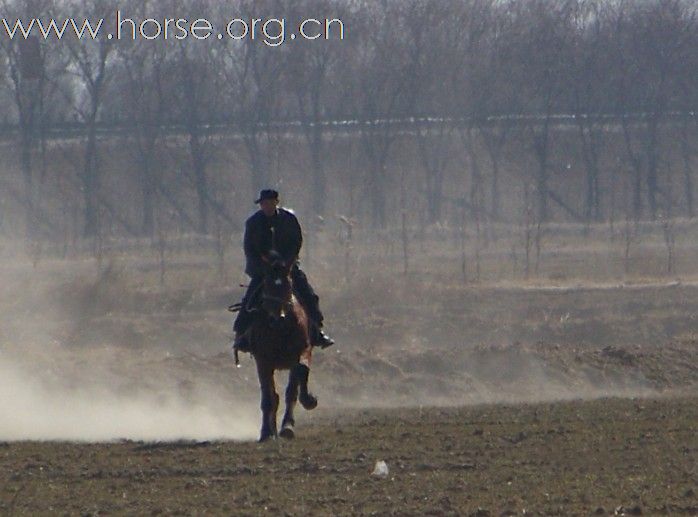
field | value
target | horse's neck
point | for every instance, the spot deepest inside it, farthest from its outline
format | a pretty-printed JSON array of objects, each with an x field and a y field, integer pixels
[{"x": 297, "y": 308}]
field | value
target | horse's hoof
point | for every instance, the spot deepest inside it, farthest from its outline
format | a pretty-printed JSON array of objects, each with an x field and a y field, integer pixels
[
  {"x": 308, "y": 402},
  {"x": 265, "y": 438},
  {"x": 287, "y": 432}
]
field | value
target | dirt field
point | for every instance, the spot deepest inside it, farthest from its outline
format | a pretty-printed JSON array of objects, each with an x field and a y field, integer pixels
[{"x": 607, "y": 457}]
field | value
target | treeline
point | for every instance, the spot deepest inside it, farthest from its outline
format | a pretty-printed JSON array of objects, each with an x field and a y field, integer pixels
[{"x": 461, "y": 109}]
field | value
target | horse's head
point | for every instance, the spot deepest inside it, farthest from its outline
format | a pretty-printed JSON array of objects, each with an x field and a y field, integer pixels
[{"x": 277, "y": 292}]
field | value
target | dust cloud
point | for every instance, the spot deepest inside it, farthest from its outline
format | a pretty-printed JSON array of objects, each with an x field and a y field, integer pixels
[
  {"x": 89, "y": 354},
  {"x": 54, "y": 389},
  {"x": 34, "y": 410}
]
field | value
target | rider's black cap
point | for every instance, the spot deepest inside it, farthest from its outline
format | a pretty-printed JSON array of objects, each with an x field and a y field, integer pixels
[{"x": 267, "y": 194}]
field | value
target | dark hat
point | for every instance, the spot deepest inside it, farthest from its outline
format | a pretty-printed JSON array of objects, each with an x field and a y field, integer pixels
[{"x": 267, "y": 194}]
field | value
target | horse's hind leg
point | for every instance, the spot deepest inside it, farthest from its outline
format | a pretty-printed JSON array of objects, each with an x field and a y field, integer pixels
[
  {"x": 270, "y": 402},
  {"x": 291, "y": 397}
]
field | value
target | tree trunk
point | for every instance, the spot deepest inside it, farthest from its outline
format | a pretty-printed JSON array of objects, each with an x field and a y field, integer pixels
[
  {"x": 200, "y": 181},
  {"x": 652, "y": 165},
  {"x": 687, "y": 171},
  {"x": 91, "y": 182},
  {"x": 319, "y": 179}
]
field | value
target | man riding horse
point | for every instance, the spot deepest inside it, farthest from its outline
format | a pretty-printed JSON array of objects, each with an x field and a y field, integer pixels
[{"x": 275, "y": 228}]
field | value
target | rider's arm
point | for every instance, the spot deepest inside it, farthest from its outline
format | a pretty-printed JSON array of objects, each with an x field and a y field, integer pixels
[
  {"x": 251, "y": 245},
  {"x": 247, "y": 240},
  {"x": 297, "y": 233}
]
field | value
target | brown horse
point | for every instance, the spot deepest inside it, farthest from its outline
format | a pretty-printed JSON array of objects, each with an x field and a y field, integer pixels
[{"x": 279, "y": 341}]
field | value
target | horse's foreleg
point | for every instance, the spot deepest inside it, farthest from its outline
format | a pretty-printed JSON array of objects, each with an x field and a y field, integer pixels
[
  {"x": 291, "y": 397},
  {"x": 270, "y": 402},
  {"x": 274, "y": 409},
  {"x": 301, "y": 372}
]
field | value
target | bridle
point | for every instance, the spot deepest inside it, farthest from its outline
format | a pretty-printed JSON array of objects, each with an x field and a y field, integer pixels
[{"x": 284, "y": 303}]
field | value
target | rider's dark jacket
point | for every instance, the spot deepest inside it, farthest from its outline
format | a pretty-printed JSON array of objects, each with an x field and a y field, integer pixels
[{"x": 287, "y": 238}]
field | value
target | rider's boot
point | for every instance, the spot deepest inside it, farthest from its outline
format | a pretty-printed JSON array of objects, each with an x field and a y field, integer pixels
[{"x": 318, "y": 337}]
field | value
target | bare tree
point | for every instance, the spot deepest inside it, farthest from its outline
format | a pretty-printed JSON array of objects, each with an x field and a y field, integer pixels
[
  {"x": 651, "y": 52},
  {"x": 543, "y": 66},
  {"x": 380, "y": 92},
  {"x": 252, "y": 71},
  {"x": 25, "y": 59},
  {"x": 196, "y": 84},
  {"x": 586, "y": 84},
  {"x": 145, "y": 97},
  {"x": 433, "y": 77},
  {"x": 309, "y": 69},
  {"x": 469, "y": 98},
  {"x": 89, "y": 67}
]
